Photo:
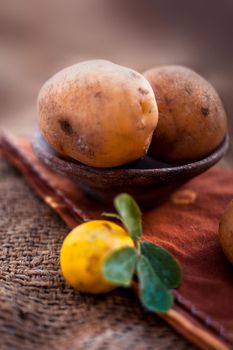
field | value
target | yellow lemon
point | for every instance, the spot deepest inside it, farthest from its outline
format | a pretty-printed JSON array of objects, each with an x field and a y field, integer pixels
[{"x": 84, "y": 251}]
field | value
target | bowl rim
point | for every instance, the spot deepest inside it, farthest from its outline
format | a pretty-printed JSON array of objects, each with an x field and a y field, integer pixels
[{"x": 41, "y": 146}]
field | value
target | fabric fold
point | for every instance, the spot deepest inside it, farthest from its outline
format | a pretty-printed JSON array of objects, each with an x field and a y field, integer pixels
[{"x": 187, "y": 225}]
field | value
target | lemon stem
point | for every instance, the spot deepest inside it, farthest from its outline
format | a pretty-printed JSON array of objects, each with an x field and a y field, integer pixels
[{"x": 138, "y": 246}]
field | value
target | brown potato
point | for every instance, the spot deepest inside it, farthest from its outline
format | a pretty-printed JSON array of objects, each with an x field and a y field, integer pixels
[
  {"x": 192, "y": 119},
  {"x": 226, "y": 232},
  {"x": 98, "y": 113}
]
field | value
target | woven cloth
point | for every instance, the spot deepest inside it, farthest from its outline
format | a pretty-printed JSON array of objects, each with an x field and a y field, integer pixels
[
  {"x": 203, "y": 311},
  {"x": 37, "y": 309}
]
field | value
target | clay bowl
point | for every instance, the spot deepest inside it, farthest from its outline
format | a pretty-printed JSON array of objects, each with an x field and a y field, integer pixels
[{"x": 148, "y": 180}]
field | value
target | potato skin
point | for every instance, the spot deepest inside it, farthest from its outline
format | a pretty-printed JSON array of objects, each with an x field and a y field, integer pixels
[
  {"x": 192, "y": 119},
  {"x": 98, "y": 113},
  {"x": 226, "y": 232}
]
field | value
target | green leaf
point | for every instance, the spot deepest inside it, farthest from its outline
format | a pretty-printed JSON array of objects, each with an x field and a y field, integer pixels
[
  {"x": 119, "y": 267},
  {"x": 111, "y": 215},
  {"x": 163, "y": 263},
  {"x": 153, "y": 293},
  {"x": 130, "y": 213}
]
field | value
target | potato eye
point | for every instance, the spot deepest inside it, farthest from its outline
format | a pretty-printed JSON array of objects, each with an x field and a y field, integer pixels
[{"x": 66, "y": 127}]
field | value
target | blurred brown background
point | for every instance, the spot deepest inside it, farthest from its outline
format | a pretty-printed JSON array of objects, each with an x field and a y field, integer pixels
[{"x": 38, "y": 38}]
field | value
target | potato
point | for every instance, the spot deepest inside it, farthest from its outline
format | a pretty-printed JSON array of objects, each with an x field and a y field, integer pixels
[
  {"x": 98, "y": 113},
  {"x": 226, "y": 232},
  {"x": 192, "y": 120}
]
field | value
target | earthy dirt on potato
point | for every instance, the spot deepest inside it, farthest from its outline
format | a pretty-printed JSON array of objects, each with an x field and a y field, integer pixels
[
  {"x": 98, "y": 113},
  {"x": 192, "y": 120}
]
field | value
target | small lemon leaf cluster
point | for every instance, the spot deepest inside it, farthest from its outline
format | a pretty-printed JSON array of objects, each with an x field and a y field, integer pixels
[{"x": 156, "y": 269}]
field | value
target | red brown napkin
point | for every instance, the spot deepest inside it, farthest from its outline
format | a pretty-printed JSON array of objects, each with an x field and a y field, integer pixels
[{"x": 187, "y": 225}]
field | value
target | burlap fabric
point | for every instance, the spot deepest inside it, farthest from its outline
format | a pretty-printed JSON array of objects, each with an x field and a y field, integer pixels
[{"x": 37, "y": 310}]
